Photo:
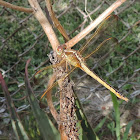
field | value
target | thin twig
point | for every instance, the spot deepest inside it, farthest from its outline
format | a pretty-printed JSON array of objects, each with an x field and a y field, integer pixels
[
  {"x": 18, "y": 8},
  {"x": 134, "y": 74},
  {"x": 55, "y": 20},
  {"x": 45, "y": 24},
  {"x": 94, "y": 24},
  {"x": 96, "y": 9}
]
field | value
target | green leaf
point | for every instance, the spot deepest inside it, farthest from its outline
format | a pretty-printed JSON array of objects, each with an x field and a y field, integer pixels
[
  {"x": 125, "y": 137},
  {"x": 117, "y": 115},
  {"x": 99, "y": 126}
]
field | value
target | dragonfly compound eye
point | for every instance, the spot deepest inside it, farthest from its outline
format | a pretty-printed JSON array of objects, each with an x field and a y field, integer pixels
[{"x": 59, "y": 50}]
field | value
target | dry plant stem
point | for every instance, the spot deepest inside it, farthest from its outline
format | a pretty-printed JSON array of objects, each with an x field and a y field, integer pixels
[
  {"x": 49, "y": 98},
  {"x": 62, "y": 133},
  {"x": 55, "y": 20},
  {"x": 67, "y": 126},
  {"x": 45, "y": 24},
  {"x": 18, "y": 8},
  {"x": 94, "y": 24},
  {"x": 66, "y": 121}
]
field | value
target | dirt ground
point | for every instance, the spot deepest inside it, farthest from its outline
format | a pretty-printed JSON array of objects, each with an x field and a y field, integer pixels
[{"x": 98, "y": 104}]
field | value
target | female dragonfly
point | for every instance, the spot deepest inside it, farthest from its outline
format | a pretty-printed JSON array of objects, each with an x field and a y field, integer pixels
[{"x": 91, "y": 51}]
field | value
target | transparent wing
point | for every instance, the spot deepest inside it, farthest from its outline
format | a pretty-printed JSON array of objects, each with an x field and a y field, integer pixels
[
  {"x": 45, "y": 80},
  {"x": 105, "y": 30},
  {"x": 101, "y": 52},
  {"x": 101, "y": 44}
]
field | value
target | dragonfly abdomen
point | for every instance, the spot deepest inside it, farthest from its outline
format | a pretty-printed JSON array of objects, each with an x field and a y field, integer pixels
[{"x": 93, "y": 75}]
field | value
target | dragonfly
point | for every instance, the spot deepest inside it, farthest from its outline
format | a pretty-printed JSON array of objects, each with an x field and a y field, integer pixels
[{"x": 74, "y": 57}]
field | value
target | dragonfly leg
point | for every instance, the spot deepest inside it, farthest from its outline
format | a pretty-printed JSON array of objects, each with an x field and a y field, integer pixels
[{"x": 68, "y": 66}]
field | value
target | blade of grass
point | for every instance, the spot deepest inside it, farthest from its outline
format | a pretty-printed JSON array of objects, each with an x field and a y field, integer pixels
[
  {"x": 125, "y": 137},
  {"x": 15, "y": 120},
  {"x": 46, "y": 127},
  {"x": 117, "y": 115},
  {"x": 99, "y": 126}
]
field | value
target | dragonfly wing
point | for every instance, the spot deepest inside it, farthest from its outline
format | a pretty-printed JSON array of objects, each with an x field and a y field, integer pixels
[
  {"x": 42, "y": 78},
  {"x": 46, "y": 81},
  {"x": 106, "y": 28},
  {"x": 102, "y": 43},
  {"x": 102, "y": 59},
  {"x": 101, "y": 52}
]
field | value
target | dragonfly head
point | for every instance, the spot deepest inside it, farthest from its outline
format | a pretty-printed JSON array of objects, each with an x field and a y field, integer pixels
[{"x": 60, "y": 49}]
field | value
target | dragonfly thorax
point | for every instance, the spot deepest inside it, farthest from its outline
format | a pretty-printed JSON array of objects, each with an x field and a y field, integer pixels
[{"x": 73, "y": 57}]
